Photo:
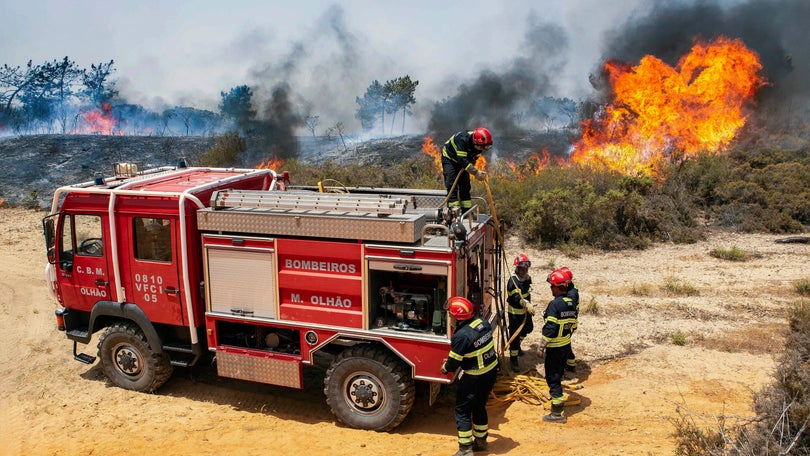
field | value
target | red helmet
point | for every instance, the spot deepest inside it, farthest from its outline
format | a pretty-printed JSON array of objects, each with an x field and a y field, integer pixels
[
  {"x": 461, "y": 308},
  {"x": 567, "y": 273},
  {"x": 558, "y": 278},
  {"x": 522, "y": 261},
  {"x": 482, "y": 137}
]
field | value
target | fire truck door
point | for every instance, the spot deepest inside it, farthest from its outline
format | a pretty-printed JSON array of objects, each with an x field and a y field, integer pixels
[
  {"x": 154, "y": 281},
  {"x": 82, "y": 268}
]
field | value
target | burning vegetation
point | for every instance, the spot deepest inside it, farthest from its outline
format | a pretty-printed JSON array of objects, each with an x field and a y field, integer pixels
[{"x": 659, "y": 112}]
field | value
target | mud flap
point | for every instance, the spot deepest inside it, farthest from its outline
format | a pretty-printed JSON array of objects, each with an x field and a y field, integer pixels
[{"x": 434, "y": 392}]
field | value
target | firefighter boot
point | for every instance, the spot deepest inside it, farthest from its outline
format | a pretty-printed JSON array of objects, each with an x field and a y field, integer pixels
[
  {"x": 557, "y": 414},
  {"x": 480, "y": 444},
  {"x": 513, "y": 361},
  {"x": 464, "y": 450}
]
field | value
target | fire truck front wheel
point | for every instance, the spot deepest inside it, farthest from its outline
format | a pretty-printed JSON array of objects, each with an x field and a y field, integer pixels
[
  {"x": 369, "y": 388},
  {"x": 128, "y": 360}
]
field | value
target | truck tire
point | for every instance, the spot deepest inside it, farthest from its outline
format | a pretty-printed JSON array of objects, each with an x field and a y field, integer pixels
[
  {"x": 369, "y": 388},
  {"x": 128, "y": 360}
]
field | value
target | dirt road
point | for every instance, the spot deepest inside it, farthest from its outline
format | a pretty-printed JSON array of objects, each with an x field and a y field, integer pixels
[{"x": 634, "y": 377}]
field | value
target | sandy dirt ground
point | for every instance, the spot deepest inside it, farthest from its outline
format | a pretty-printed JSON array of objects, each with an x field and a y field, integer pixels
[{"x": 633, "y": 376}]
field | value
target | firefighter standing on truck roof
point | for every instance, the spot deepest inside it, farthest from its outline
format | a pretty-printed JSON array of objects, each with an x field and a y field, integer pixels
[
  {"x": 560, "y": 321},
  {"x": 473, "y": 350},
  {"x": 520, "y": 308},
  {"x": 459, "y": 154}
]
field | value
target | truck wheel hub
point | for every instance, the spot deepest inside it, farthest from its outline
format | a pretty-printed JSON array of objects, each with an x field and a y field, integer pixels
[
  {"x": 128, "y": 360},
  {"x": 365, "y": 393}
]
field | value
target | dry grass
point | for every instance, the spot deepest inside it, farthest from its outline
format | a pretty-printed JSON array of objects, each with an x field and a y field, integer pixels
[{"x": 757, "y": 340}]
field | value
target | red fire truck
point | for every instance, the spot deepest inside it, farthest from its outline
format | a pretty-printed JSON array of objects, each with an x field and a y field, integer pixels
[{"x": 176, "y": 263}]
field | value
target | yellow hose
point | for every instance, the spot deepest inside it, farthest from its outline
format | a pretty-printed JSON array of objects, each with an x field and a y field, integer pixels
[{"x": 529, "y": 388}]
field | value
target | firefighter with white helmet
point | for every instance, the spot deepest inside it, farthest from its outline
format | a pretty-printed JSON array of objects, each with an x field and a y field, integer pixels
[
  {"x": 459, "y": 154},
  {"x": 519, "y": 308},
  {"x": 472, "y": 350},
  {"x": 559, "y": 322}
]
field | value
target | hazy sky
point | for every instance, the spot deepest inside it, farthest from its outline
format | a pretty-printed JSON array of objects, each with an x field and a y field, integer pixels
[{"x": 174, "y": 52}]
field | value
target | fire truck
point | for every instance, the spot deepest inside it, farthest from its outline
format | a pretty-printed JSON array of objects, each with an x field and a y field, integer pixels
[{"x": 174, "y": 264}]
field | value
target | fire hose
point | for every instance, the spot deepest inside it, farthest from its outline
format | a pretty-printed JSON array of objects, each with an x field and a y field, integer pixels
[
  {"x": 530, "y": 388},
  {"x": 502, "y": 320}
]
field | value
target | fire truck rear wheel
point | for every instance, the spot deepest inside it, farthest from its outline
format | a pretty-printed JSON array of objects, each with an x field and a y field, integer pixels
[
  {"x": 369, "y": 388},
  {"x": 128, "y": 360}
]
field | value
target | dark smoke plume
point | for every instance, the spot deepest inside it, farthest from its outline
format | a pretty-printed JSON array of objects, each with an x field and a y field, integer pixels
[
  {"x": 311, "y": 73},
  {"x": 494, "y": 97}
]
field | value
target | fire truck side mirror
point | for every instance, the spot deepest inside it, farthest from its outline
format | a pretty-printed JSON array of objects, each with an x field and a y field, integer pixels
[{"x": 50, "y": 238}]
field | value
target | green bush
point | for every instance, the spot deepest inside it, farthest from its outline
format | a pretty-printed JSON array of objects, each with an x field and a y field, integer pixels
[
  {"x": 732, "y": 254},
  {"x": 226, "y": 152}
]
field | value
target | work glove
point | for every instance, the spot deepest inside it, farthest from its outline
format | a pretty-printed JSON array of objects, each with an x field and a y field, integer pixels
[
  {"x": 541, "y": 346},
  {"x": 480, "y": 175},
  {"x": 443, "y": 369},
  {"x": 526, "y": 305}
]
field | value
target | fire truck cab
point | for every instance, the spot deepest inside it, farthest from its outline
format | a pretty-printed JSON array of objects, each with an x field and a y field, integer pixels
[{"x": 174, "y": 263}]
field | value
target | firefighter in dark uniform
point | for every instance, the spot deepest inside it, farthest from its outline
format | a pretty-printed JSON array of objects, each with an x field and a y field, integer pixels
[
  {"x": 559, "y": 322},
  {"x": 573, "y": 293},
  {"x": 520, "y": 310},
  {"x": 473, "y": 350},
  {"x": 459, "y": 154}
]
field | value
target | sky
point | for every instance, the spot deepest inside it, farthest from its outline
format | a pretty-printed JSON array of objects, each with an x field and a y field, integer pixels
[
  {"x": 324, "y": 53},
  {"x": 186, "y": 52}
]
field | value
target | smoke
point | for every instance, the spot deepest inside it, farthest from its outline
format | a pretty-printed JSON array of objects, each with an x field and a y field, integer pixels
[
  {"x": 310, "y": 74},
  {"x": 773, "y": 29},
  {"x": 497, "y": 98}
]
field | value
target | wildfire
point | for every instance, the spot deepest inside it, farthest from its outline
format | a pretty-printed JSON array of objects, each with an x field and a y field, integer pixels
[
  {"x": 275, "y": 164},
  {"x": 99, "y": 121},
  {"x": 658, "y": 110},
  {"x": 432, "y": 150},
  {"x": 481, "y": 162}
]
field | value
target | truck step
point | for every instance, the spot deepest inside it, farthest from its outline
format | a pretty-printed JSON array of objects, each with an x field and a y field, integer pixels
[
  {"x": 82, "y": 357},
  {"x": 180, "y": 362},
  {"x": 178, "y": 348},
  {"x": 77, "y": 333}
]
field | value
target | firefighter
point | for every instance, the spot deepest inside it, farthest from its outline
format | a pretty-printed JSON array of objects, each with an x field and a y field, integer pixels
[
  {"x": 573, "y": 293},
  {"x": 459, "y": 154},
  {"x": 520, "y": 308},
  {"x": 559, "y": 322},
  {"x": 473, "y": 350}
]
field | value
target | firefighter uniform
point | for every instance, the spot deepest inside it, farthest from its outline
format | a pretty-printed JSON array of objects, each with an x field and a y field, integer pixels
[
  {"x": 571, "y": 359},
  {"x": 518, "y": 298},
  {"x": 473, "y": 350},
  {"x": 459, "y": 154},
  {"x": 560, "y": 321}
]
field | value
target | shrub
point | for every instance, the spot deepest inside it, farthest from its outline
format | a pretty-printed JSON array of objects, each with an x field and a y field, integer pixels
[
  {"x": 678, "y": 338},
  {"x": 674, "y": 286},
  {"x": 732, "y": 254},
  {"x": 802, "y": 287},
  {"x": 592, "y": 307},
  {"x": 226, "y": 152}
]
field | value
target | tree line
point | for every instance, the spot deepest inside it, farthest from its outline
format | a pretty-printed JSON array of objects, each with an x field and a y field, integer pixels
[{"x": 55, "y": 97}]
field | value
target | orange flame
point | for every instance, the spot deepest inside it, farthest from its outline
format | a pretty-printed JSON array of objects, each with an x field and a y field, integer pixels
[
  {"x": 658, "y": 110},
  {"x": 99, "y": 121},
  {"x": 433, "y": 151},
  {"x": 481, "y": 162},
  {"x": 275, "y": 164}
]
